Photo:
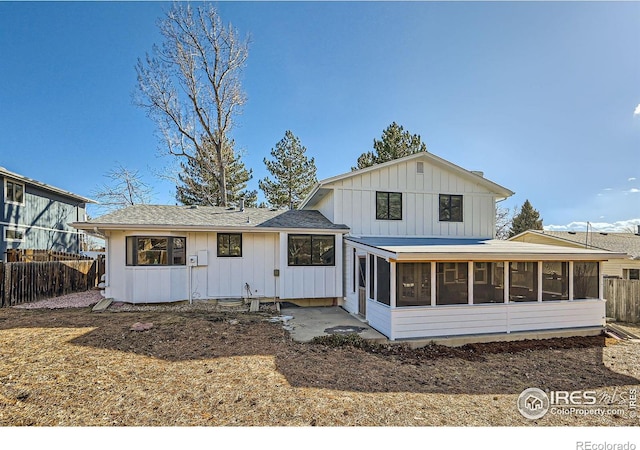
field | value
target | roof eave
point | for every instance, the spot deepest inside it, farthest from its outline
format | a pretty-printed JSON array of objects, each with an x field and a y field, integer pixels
[{"x": 89, "y": 226}]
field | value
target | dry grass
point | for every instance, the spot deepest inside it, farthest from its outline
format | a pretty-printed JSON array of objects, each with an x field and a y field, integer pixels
[{"x": 206, "y": 368}]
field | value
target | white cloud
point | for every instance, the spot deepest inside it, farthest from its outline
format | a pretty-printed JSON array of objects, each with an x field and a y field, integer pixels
[
  {"x": 637, "y": 111},
  {"x": 621, "y": 226},
  {"x": 633, "y": 190},
  {"x": 607, "y": 189},
  {"x": 631, "y": 179}
]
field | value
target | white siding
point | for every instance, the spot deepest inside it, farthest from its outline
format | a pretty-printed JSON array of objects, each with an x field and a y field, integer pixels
[
  {"x": 301, "y": 282},
  {"x": 354, "y": 202},
  {"x": 425, "y": 322},
  {"x": 227, "y": 277},
  {"x": 379, "y": 317}
]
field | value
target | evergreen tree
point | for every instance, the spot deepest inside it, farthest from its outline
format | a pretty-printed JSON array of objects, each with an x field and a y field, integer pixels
[
  {"x": 527, "y": 219},
  {"x": 294, "y": 174},
  {"x": 200, "y": 180},
  {"x": 395, "y": 143}
]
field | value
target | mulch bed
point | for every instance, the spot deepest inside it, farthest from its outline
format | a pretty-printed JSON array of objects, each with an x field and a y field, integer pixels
[{"x": 74, "y": 367}]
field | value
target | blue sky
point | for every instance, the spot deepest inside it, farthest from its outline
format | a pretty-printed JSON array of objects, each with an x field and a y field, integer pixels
[{"x": 542, "y": 96}]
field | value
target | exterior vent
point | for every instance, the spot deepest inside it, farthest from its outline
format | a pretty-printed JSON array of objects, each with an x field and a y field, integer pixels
[
  {"x": 572, "y": 232},
  {"x": 420, "y": 167},
  {"x": 480, "y": 173}
]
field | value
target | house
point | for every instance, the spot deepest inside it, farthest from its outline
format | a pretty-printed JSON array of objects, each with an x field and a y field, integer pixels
[
  {"x": 626, "y": 268},
  {"x": 171, "y": 253},
  {"x": 36, "y": 216},
  {"x": 407, "y": 245}
]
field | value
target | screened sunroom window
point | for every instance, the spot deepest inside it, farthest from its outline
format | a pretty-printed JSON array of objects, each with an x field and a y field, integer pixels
[
  {"x": 452, "y": 286},
  {"x": 585, "y": 280},
  {"x": 523, "y": 281},
  {"x": 488, "y": 282},
  {"x": 555, "y": 280},
  {"x": 413, "y": 284},
  {"x": 156, "y": 251}
]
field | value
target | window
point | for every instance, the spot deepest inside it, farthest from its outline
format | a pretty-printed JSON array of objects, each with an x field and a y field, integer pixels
[
  {"x": 555, "y": 280},
  {"x": 372, "y": 276},
  {"x": 229, "y": 244},
  {"x": 488, "y": 282},
  {"x": 452, "y": 285},
  {"x": 631, "y": 274},
  {"x": 13, "y": 234},
  {"x": 388, "y": 206},
  {"x": 156, "y": 251},
  {"x": 450, "y": 208},
  {"x": 523, "y": 281},
  {"x": 585, "y": 280},
  {"x": 14, "y": 192},
  {"x": 383, "y": 277},
  {"x": 311, "y": 250},
  {"x": 413, "y": 284}
]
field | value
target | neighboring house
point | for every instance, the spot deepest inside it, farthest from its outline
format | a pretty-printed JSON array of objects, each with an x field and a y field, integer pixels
[
  {"x": 629, "y": 243},
  {"x": 36, "y": 216},
  {"x": 416, "y": 257}
]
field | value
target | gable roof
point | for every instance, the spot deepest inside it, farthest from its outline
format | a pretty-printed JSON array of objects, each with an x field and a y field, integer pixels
[
  {"x": 4, "y": 173},
  {"x": 429, "y": 157},
  {"x": 615, "y": 242},
  {"x": 204, "y": 218}
]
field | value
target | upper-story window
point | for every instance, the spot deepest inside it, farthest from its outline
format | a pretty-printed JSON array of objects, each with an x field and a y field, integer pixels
[
  {"x": 388, "y": 206},
  {"x": 450, "y": 208},
  {"x": 13, "y": 192},
  {"x": 13, "y": 234}
]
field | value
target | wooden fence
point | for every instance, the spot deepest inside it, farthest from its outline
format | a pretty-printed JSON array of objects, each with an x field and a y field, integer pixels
[
  {"x": 24, "y": 282},
  {"x": 623, "y": 299},
  {"x": 28, "y": 255}
]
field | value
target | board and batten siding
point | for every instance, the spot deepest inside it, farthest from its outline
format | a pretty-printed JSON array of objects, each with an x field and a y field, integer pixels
[
  {"x": 227, "y": 277},
  {"x": 354, "y": 202},
  {"x": 302, "y": 282},
  {"x": 459, "y": 320},
  {"x": 221, "y": 277}
]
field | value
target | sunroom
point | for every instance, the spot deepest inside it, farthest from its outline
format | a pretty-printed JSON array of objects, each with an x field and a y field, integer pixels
[{"x": 411, "y": 288}]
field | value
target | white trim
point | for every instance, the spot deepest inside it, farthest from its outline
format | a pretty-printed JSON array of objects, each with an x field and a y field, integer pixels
[{"x": 28, "y": 227}]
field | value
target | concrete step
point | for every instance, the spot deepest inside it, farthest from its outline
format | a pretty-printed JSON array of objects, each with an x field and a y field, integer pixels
[{"x": 102, "y": 305}]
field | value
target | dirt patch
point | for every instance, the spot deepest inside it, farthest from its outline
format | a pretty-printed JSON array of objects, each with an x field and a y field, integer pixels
[{"x": 203, "y": 367}]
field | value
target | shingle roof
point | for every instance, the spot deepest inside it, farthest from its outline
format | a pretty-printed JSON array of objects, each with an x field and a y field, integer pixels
[
  {"x": 616, "y": 242},
  {"x": 210, "y": 217}
]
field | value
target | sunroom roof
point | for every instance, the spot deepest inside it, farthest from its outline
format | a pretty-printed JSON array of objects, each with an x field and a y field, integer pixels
[{"x": 454, "y": 249}]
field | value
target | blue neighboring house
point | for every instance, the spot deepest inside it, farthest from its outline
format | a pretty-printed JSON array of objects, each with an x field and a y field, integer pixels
[{"x": 35, "y": 215}]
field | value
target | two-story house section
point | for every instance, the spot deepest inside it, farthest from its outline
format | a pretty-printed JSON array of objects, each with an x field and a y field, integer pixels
[
  {"x": 36, "y": 216},
  {"x": 420, "y": 259}
]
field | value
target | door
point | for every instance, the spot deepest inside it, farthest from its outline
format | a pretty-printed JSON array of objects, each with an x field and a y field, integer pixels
[{"x": 362, "y": 286}]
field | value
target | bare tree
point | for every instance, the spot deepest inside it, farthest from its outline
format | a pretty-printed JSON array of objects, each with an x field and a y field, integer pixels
[
  {"x": 190, "y": 86},
  {"x": 504, "y": 219},
  {"x": 125, "y": 189}
]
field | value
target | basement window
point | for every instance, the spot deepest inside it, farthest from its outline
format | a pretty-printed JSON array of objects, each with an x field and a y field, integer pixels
[{"x": 156, "y": 251}]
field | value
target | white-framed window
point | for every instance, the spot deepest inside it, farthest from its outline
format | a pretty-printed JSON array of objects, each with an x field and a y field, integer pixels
[
  {"x": 13, "y": 192},
  {"x": 631, "y": 274},
  {"x": 12, "y": 234}
]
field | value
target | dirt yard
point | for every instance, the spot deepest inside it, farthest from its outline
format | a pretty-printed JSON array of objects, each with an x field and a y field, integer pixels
[{"x": 72, "y": 367}]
